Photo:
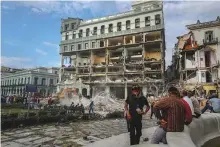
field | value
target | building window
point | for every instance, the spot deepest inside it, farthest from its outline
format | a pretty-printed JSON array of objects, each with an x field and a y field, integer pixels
[
  {"x": 128, "y": 25},
  {"x": 43, "y": 81},
  {"x": 119, "y": 26},
  {"x": 73, "y": 25},
  {"x": 65, "y": 48},
  {"x": 66, "y": 36},
  {"x": 201, "y": 59},
  {"x": 79, "y": 46},
  {"x": 95, "y": 31},
  {"x": 55, "y": 72},
  {"x": 25, "y": 81},
  {"x": 208, "y": 36},
  {"x": 102, "y": 29},
  {"x": 74, "y": 35},
  {"x": 93, "y": 44},
  {"x": 66, "y": 27},
  {"x": 110, "y": 28},
  {"x": 80, "y": 33},
  {"x": 86, "y": 46},
  {"x": 19, "y": 81},
  {"x": 51, "y": 81},
  {"x": 87, "y": 31},
  {"x": 157, "y": 19},
  {"x": 147, "y": 21},
  {"x": 137, "y": 23},
  {"x": 15, "y": 81},
  {"x": 72, "y": 47},
  {"x": 35, "y": 80},
  {"x": 22, "y": 81},
  {"x": 29, "y": 80}
]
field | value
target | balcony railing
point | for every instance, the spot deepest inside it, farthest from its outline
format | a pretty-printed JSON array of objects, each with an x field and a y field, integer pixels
[{"x": 208, "y": 42}]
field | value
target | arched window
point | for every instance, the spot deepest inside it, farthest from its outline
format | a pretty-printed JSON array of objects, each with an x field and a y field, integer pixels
[
  {"x": 25, "y": 80},
  {"x": 22, "y": 81},
  {"x": 43, "y": 81},
  {"x": 35, "y": 80},
  {"x": 19, "y": 81},
  {"x": 15, "y": 81}
]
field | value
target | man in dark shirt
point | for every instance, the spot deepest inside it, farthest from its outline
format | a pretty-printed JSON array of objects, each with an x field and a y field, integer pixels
[{"x": 135, "y": 102}]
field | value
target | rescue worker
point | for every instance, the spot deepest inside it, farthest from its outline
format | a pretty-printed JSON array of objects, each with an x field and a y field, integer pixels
[{"x": 136, "y": 101}]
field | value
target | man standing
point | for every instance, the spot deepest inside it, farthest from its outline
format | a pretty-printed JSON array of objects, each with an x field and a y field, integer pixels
[
  {"x": 135, "y": 102},
  {"x": 196, "y": 105},
  {"x": 91, "y": 105},
  {"x": 188, "y": 100},
  {"x": 173, "y": 116}
]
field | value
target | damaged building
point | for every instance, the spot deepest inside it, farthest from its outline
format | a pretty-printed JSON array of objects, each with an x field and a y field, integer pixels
[
  {"x": 198, "y": 53},
  {"x": 114, "y": 52}
]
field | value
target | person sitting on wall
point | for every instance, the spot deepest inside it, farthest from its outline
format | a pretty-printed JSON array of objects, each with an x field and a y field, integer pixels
[
  {"x": 173, "y": 119},
  {"x": 213, "y": 104},
  {"x": 196, "y": 105}
]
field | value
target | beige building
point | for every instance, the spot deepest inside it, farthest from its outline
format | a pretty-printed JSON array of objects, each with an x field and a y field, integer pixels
[{"x": 114, "y": 52}]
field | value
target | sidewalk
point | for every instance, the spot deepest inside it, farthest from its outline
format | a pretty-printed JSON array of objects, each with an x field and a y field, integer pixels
[{"x": 123, "y": 140}]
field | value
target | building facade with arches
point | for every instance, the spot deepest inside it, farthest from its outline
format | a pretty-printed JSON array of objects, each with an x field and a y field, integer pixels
[{"x": 45, "y": 79}]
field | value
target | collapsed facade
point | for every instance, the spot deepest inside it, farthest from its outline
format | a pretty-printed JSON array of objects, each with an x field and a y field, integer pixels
[
  {"x": 114, "y": 52},
  {"x": 198, "y": 56}
]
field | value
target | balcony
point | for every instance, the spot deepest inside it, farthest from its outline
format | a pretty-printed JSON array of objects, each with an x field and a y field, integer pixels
[
  {"x": 210, "y": 42},
  {"x": 114, "y": 34}
]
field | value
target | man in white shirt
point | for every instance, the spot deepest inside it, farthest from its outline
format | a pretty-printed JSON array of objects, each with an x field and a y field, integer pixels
[{"x": 188, "y": 100}]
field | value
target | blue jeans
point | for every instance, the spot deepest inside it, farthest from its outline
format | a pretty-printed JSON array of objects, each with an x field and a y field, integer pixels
[{"x": 207, "y": 107}]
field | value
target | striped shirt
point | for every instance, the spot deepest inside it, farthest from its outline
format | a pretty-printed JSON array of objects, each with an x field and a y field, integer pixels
[{"x": 175, "y": 113}]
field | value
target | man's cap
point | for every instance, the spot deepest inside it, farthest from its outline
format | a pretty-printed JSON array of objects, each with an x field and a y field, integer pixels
[{"x": 136, "y": 87}]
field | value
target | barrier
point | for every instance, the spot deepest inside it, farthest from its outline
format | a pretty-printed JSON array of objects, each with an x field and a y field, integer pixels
[{"x": 201, "y": 130}]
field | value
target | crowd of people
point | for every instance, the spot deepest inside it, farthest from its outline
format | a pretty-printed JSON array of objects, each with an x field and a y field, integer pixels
[{"x": 172, "y": 112}]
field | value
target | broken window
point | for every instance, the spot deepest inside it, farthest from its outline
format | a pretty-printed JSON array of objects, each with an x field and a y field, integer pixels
[
  {"x": 66, "y": 36},
  {"x": 87, "y": 31},
  {"x": 119, "y": 26},
  {"x": 157, "y": 19},
  {"x": 208, "y": 77},
  {"x": 110, "y": 28},
  {"x": 65, "y": 48},
  {"x": 207, "y": 59},
  {"x": 79, "y": 46},
  {"x": 72, "y": 47},
  {"x": 208, "y": 36},
  {"x": 66, "y": 27},
  {"x": 147, "y": 21},
  {"x": 137, "y": 23},
  {"x": 86, "y": 46},
  {"x": 95, "y": 31},
  {"x": 74, "y": 35},
  {"x": 73, "y": 25},
  {"x": 128, "y": 25},
  {"x": 101, "y": 43},
  {"x": 93, "y": 44},
  {"x": 80, "y": 33},
  {"x": 102, "y": 29}
]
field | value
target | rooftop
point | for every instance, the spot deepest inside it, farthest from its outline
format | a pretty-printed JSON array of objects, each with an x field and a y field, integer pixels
[{"x": 200, "y": 25}]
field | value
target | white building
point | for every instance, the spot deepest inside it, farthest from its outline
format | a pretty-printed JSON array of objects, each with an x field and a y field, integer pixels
[
  {"x": 44, "y": 78},
  {"x": 200, "y": 54},
  {"x": 114, "y": 52}
]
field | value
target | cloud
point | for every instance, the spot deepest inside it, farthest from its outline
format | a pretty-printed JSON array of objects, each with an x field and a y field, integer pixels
[
  {"x": 4, "y": 7},
  {"x": 16, "y": 62},
  {"x": 52, "y": 45},
  {"x": 24, "y": 25},
  {"x": 41, "y": 52},
  {"x": 11, "y": 43}
]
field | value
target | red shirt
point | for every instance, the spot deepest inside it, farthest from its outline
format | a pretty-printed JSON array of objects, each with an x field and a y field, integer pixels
[
  {"x": 174, "y": 110},
  {"x": 187, "y": 111}
]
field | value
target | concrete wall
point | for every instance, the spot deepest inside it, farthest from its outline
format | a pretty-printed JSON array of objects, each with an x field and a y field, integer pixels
[
  {"x": 156, "y": 55},
  {"x": 197, "y": 133}
]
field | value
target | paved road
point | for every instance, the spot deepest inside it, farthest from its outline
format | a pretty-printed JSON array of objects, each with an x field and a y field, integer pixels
[{"x": 69, "y": 134}]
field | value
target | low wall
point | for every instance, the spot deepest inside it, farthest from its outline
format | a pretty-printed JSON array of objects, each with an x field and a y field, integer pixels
[{"x": 197, "y": 133}]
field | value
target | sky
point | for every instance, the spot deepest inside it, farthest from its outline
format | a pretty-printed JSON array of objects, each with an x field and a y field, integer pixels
[{"x": 30, "y": 31}]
